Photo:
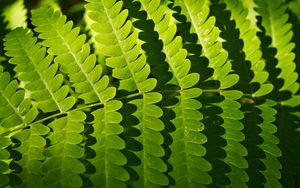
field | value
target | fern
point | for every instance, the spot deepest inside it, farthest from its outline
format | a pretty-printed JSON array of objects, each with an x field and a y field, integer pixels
[
  {"x": 187, "y": 121},
  {"x": 73, "y": 55},
  {"x": 281, "y": 34},
  {"x": 254, "y": 55},
  {"x": 71, "y": 50},
  {"x": 62, "y": 166},
  {"x": 5, "y": 143},
  {"x": 37, "y": 75},
  {"x": 128, "y": 63},
  {"x": 15, "y": 112},
  {"x": 15, "y": 109},
  {"x": 158, "y": 93},
  {"x": 31, "y": 144},
  {"x": 251, "y": 47},
  {"x": 15, "y": 14},
  {"x": 281, "y": 37},
  {"x": 203, "y": 25}
]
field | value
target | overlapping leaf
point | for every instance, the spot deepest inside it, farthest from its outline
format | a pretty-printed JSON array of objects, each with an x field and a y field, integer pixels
[
  {"x": 251, "y": 46},
  {"x": 118, "y": 41},
  {"x": 270, "y": 145},
  {"x": 5, "y": 142},
  {"x": 32, "y": 148},
  {"x": 109, "y": 160},
  {"x": 37, "y": 73},
  {"x": 275, "y": 23},
  {"x": 73, "y": 55},
  {"x": 274, "y": 20},
  {"x": 188, "y": 119},
  {"x": 197, "y": 13},
  {"x": 15, "y": 14},
  {"x": 63, "y": 124},
  {"x": 15, "y": 109},
  {"x": 62, "y": 167},
  {"x": 248, "y": 33}
]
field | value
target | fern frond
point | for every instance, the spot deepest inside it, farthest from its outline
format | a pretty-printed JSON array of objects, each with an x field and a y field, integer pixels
[
  {"x": 62, "y": 167},
  {"x": 5, "y": 142},
  {"x": 15, "y": 14},
  {"x": 14, "y": 108},
  {"x": 208, "y": 37},
  {"x": 187, "y": 119},
  {"x": 36, "y": 72},
  {"x": 189, "y": 166},
  {"x": 252, "y": 15},
  {"x": 203, "y": 25},
  {"x": 109, "y": 160},
  {"x": 32, "y": 148},
  {"x": 4, "y": 31},
  {"x": 251, "y": 46},
  {"x": 73, "y": 55},
  {"x": 235, "y": 151},
  {"x": 117, "y": 39},
  {"x": 165, "y": 26},
  {"x": 294, "y": 7},
  {"x": 272, "y": 164},
  {"x": 96, "y": 46},
  {"x": 152, "y": 168},
  {"x": 158, "y": 93},
  {"x": 274, "y": 20}
]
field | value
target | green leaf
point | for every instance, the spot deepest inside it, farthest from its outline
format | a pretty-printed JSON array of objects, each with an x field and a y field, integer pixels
[
  {"x": 41, "y": 79},
  {"x": 14, "y": 109},
  {"x": 15, "y": 14},
  {"x": 118, "y": 40},
  {"x": 229, "y": 81},
  {"x": 62, "y": 165},
  {"x": 32, "y": 142},
  {"x": 110, "y": 161},
  {"x": 72, "y": 54}
]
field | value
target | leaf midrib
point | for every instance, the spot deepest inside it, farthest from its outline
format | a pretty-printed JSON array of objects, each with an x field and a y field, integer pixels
[
  {"x": 119, "y": 44},
  {"x": 40, "y": 74},
  {"x": 76, "y": 60},
  {"x": 150, "y": 17}
]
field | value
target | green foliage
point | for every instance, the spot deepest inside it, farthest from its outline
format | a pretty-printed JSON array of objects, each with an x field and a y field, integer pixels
[{"x": 149, "y": 93}]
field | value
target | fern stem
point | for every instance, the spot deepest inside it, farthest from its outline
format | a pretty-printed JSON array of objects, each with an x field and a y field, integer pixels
[{"x": 23, "y": 125}]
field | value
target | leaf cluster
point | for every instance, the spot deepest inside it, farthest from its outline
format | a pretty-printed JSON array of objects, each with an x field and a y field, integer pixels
[{"x": 149, "y": 93}]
